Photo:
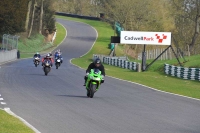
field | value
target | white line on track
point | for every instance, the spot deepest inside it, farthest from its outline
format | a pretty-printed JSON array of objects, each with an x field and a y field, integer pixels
[
  {"x": 25, "y": 122},
  {"x": 1, "y": 99},
  {"x": 3, "y": 103}
]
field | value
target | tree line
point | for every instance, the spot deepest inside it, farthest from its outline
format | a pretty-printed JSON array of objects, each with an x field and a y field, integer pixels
[
  {"x": 29, "y": 16},
  {"x": 180, "y": 17}
]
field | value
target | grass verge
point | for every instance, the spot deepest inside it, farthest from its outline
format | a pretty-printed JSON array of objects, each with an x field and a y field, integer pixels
[
  {"x": 28, "y": 47},
  {"x": 154, "y": 77},
  {"x": 10, "y": 124}
]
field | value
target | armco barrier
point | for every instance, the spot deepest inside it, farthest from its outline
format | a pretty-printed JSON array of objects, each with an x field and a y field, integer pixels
[
  {"x": 184, "y": 73},
  {"x": 117, "y": 61},
  {"x": 77, "y": 16},
  {"x": 8, "y": 55}
]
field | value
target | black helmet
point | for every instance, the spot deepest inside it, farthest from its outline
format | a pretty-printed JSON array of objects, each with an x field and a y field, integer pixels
[{"x": 97, "y": 61}]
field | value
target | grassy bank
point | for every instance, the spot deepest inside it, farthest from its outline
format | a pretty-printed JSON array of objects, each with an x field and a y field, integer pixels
[
  {"x": 10, "y": 124},
  {"x": 154, "y": 77},
  {"x": 36, "y": 43}
]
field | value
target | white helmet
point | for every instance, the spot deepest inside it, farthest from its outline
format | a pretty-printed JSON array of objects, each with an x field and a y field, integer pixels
[{"x": 48, "y": 55}]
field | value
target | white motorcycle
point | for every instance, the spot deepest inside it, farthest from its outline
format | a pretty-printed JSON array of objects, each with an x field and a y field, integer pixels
[
  {"x": 58, "y": 62},
  {"x": 36, "y": 61}
]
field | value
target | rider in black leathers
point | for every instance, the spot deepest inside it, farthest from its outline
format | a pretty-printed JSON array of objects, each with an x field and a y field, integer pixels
[{"x": 96, "y": 64}]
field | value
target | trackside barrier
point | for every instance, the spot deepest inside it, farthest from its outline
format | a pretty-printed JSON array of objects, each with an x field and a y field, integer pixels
[
  {"x": 184, "y": 73},
  {"x": 118, "y": 62},
  {"x": 77, "y": 16},
  {"x": 8, "y": 55}
]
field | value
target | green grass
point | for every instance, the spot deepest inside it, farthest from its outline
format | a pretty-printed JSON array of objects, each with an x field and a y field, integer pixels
[
  {"x": 154, "y": 77},
  {"x": 10, "y": 124},
  {"x": 103, "y": 41},
  {"x": 60, "y": 35},
  {"x": 32, "y": 45},
  {"x": 28, "y": 47}
]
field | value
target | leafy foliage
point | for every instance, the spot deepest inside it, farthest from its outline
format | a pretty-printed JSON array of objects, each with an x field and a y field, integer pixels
[
  {"x": 48, "y": 18},
  {"x": 12, "y": 16}
]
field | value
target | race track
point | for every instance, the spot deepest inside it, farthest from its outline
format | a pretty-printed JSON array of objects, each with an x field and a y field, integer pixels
[{"x": 57, "y": 103}]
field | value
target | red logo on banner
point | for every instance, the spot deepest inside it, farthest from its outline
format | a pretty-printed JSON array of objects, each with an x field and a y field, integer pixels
[{"x": 161, "y": 38}]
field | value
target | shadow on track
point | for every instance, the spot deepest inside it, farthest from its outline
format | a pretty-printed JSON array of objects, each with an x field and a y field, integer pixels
[{"x": 73, "y": 96}]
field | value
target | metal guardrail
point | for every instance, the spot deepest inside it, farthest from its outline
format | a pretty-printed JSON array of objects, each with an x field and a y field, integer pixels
[
  {"x": 78, "y": 16},
  {"x": 9, "y": 42}
]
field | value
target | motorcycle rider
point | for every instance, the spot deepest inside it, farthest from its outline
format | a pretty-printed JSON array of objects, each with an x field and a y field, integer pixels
[
  {"x": 98, "y": 65},
  {"x": 37, "y": 54},
  {"x": 48, "y": 57},
  {"x": 58, "y": 55},
  {"x": 50, "y": 54}
]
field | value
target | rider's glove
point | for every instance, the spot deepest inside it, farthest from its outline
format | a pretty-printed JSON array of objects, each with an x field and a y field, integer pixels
[{"x": 87, "y": 74}]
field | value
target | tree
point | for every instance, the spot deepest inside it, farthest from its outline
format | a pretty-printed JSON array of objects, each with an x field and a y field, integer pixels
[
  {"x": 11, "y": 18},
  {"x": 32, "y": 18},
  {"x": 28, "y": 14},
  {"x": 41, "y": 16},
  {"x": 48, "y": 18},
  {"x": 187, "y": 18}
]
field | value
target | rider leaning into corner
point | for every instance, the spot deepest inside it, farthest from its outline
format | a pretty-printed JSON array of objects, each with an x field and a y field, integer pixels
[{"x": 98, "y": 65}]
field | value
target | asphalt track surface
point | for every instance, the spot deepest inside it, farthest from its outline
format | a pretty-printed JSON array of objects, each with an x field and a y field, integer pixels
[{"x": 57, "y": 103}]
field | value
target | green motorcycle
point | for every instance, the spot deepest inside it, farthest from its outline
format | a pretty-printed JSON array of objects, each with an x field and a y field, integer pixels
[{"x": 93, "y": 82}]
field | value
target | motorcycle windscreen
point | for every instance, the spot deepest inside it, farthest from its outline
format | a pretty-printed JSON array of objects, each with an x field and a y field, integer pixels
[{"x": 96, "y": 71}]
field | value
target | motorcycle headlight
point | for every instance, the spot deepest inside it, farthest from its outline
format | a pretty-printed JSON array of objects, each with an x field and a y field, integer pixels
[{"x": 97, "y": 79}]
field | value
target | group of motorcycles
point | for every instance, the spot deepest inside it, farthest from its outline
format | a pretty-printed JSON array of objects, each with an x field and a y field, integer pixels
[
  {"x": 47, "y": 64},
  {"x": 93, "y": 82}
]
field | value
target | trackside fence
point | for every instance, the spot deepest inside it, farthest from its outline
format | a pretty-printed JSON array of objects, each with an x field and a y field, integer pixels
[{"x": 9, "y": 42}]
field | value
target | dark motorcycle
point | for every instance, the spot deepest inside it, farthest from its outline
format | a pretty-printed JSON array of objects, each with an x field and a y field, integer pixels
[
  {"x": 47, "y": 66},
  {"x": 36, "y": 61}
]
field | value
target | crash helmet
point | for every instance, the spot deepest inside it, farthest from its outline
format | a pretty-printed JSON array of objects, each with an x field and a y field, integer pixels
[
  {"x": 97, "y": 62},
  {"x": 48, "y": 55}
]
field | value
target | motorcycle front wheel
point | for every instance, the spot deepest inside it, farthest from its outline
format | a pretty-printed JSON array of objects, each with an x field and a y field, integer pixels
[
  {"x": 92, "y": 90},
  {"x": 46, "y": 70},
  {"x": 57, "y": 65}
]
